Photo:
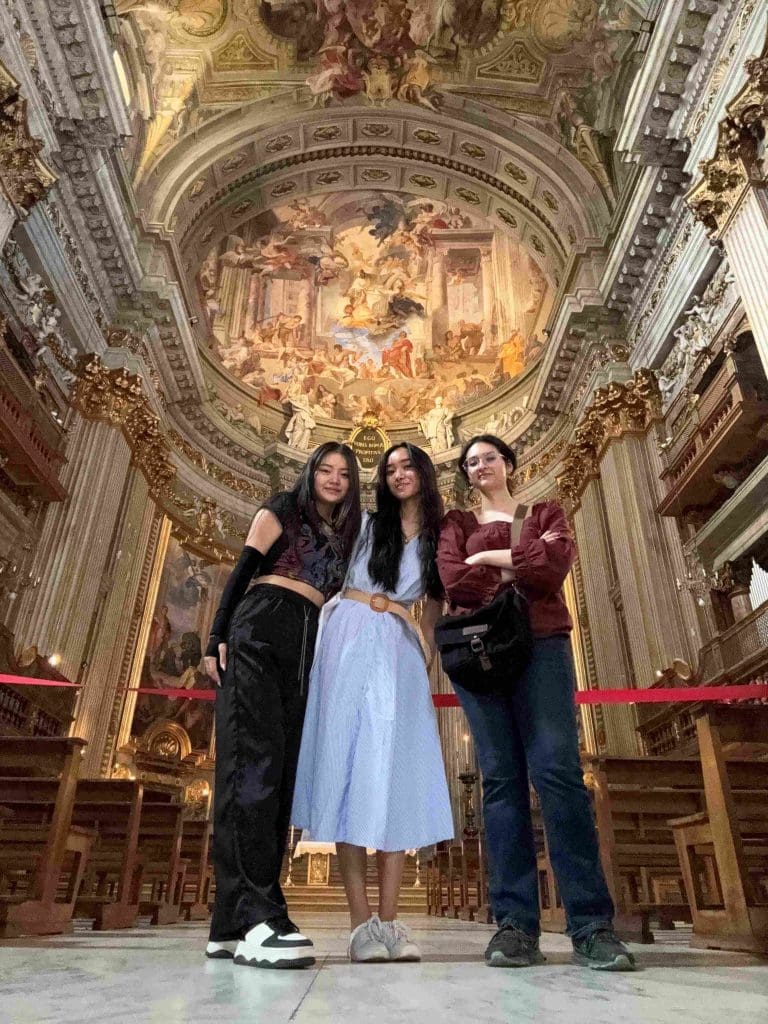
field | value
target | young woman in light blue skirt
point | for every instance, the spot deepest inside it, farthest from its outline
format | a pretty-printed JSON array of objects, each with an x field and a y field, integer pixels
[{"x": 371, "y": 772}]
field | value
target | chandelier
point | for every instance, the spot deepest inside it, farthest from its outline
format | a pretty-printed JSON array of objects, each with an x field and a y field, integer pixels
[
  {"x": 699, "y": 582},
  {"x": 14, "y": 578}
]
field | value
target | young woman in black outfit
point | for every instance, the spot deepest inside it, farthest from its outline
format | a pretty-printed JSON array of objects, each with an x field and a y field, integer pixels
[{"x": 260, "y": 652}]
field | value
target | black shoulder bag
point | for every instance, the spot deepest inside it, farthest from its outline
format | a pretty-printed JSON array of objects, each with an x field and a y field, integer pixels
[{"x": 487, "y": 650}]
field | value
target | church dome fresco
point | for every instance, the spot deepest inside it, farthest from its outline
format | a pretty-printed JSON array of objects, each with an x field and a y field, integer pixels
[{"x": 372, "y": 302}]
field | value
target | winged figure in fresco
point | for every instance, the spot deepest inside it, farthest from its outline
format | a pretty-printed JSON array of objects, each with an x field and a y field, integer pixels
[
  {"x": 196, "y": 581},
  {"x": 328, "y": 262}
]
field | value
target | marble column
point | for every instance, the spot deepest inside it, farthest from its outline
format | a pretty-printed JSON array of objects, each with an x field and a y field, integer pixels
[
  {"x": 612, "y": 668},
  {"x": 74, "y": 547},
  {"x": 731, "y": 198},
  {"x": 489, "y": 299},
  {"x": 746, "y": 243},
  {"x": 113, "y": 622},
  {"x": 592, "y": 719},
  {"x": 438, "y": 298},
  {"x": 661, "y": 621}
]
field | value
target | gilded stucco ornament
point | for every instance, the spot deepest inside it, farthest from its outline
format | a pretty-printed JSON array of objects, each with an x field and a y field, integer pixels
[
  {"x": 117, "y": 397},
  {"x": 24, "y": 176},
  {"x": 616, "y": 411},
  {"x": 739, "y": 159}
]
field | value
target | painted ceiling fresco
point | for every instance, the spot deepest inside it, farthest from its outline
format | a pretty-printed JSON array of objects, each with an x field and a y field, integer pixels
[
  {"x": 372, "y": 302},
  {"x": 555, "y": 60}
]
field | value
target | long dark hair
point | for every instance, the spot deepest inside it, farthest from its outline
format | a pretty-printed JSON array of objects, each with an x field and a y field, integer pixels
[
  {"x": 346, "y": 516},
  {"x": 387, "y": 533},
  {"x": 501, "y": 447}
]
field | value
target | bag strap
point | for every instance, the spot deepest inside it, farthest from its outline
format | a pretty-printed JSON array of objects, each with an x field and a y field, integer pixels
[{"x": 517, "y": 524}]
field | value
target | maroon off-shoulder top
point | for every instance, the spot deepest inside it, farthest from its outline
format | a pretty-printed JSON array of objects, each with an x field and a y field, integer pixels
[{"x": 540, "y": 568}]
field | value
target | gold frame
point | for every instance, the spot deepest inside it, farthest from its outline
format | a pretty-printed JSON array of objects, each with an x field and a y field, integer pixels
[{"x": 129, "y": 706}]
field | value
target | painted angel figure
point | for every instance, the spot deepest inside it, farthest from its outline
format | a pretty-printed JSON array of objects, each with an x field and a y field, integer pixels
[
  {"x": 416, "y": 81},
  {"x": 338, "y": 76},
  {"x": 379, "y": 81}
]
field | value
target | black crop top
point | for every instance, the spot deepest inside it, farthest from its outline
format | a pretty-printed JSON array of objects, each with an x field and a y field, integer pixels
[{"x": 304, "y": 551}]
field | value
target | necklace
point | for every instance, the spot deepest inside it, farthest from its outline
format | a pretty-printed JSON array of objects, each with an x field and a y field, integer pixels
[{"x": 410, "y": 536}]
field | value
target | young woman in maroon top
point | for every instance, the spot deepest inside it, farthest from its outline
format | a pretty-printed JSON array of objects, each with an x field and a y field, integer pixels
[
  {"x": 528, "y": 730},
  {"x": 260, "y": 653}
]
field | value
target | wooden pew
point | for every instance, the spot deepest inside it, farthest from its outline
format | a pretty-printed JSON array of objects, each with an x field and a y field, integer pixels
[
  {"x": 111, "y": 887},
  {"x": 198, "y": 878},
  {"x": 431, "y": 883},
  {"x": 634, "y": 799},
  {"x": 160, "y": 837},
  {"x": 444, "y": 874},
  {"x": 42, "y": 854},
  {"x": 474, "y": 903},
  {"x": 551, "y": 910},
  {"x": 727, "y": 843}
]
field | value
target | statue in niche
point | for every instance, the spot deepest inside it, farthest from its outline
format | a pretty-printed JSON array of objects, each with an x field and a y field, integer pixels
[
  {"x": 580, "y": 137},
  {"x": 236, "y": 415},
  {"x": 437, "y": 427},
  {"x": 298, "y": 430}
]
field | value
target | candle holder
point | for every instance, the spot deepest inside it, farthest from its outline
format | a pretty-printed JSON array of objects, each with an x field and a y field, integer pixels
[
  {"x": 417, "y": 882},
  {"x": 291, "y": 849},
  {"x": 468, "y": 778}
]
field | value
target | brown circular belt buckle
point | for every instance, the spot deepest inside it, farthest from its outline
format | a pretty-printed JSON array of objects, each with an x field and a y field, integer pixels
[{"x": 379, "y": 602}]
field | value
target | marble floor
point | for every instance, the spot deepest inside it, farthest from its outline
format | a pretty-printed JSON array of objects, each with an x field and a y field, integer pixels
[{"x": 159, "y": 976}]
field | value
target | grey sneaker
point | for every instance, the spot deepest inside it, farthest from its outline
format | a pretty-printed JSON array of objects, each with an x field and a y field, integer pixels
[
  {"x": 603, "y": 951},
  {"x": 511, "y": 947},
  {"x": 367, "y": 943},
  {"x": 399, "y": 943}
]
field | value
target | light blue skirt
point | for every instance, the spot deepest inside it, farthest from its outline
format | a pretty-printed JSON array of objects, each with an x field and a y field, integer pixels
[{"x": 371, "y": 770}]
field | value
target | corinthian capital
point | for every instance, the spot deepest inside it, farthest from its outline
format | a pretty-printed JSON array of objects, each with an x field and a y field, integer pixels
[
  {"x": 737, "y": 162},
  {"x": 24, "y": 177}
]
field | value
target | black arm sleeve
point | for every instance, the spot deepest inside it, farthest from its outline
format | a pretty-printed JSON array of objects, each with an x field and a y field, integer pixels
[{"x": 234, "y": 589}]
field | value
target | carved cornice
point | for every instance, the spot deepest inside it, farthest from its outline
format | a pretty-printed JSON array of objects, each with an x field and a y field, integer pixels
[
  {"x": 259, "y": 492},
  {"x": 616, "y": 411},
  {"x": 24, "y": 177},
  {"x": 341, "y": 155},
  {"x": 117, "y": 397},
  {"x": 737, "y": 161}
]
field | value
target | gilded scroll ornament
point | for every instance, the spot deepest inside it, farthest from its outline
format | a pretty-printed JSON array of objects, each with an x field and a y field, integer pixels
[
  {"x": 24, "y": 177},
  {"x": 616, "y": 411},
  {"x": 738, "y": 160},
  {"x": 117, "y": 397}
]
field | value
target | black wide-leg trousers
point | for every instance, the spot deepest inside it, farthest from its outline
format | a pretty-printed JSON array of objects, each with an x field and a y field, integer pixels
[{"x": 259, "y": 716}]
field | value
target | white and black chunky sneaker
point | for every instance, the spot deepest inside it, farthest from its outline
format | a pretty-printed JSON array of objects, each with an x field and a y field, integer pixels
[
  {"x": 277, "y": 944},
  {"x": 224, "y": 950}
]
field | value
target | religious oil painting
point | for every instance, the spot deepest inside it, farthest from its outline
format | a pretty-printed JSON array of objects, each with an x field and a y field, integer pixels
[
  {"x": 378, "y": 302},
  {"x": 187, "y": 599}
]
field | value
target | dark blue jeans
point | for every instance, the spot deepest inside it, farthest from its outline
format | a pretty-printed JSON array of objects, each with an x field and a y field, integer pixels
[{"x": 530, "y": 732}]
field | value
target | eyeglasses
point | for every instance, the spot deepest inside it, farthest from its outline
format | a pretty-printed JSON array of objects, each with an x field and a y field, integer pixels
[{"x": 489, "y": 459}]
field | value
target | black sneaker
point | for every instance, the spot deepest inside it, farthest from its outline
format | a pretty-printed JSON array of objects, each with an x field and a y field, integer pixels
[
  {"x": 510, "y": 947},
  {"x": 603, "y": 951}
]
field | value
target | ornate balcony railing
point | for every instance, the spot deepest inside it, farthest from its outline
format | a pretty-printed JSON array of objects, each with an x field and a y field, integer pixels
[
  {"x": 722, "y": 431},
  {"x": 737, "y": 655}
]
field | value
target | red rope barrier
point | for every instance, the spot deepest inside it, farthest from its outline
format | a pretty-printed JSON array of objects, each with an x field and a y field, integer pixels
[{"x": 659, "y": 695}]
